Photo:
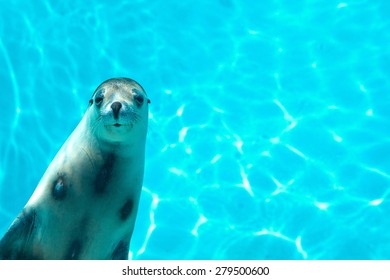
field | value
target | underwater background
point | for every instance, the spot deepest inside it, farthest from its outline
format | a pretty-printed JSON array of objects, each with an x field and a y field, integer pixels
[{"x": 269, "y": 124}]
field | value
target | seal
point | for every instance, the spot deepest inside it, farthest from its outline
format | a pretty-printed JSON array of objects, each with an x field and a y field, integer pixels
[{"x": 86, "y": 203}]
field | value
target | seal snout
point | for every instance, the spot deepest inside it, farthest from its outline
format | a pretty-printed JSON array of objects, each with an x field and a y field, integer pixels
[{"x": 116, "y": 106}]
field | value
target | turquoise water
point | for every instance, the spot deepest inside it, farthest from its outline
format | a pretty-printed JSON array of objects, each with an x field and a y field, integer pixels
[{"x": 269, "y": 123}]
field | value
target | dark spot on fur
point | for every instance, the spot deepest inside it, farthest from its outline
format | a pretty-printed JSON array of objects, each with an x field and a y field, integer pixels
[
  {"x": 78, "y": 239},
  {"x": 126, "y": 209},
  {"x": 104, "y": 174},
  {"x": 16, "y": 243},
  {"x": 74, "y": 250},
  {"x": 121, "y": 251},
  {"x": 59, "y": 188}
]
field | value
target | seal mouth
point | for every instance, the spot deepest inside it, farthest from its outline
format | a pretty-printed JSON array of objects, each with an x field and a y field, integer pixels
[
  {"x": 121, "y": 125},
  {"x": 118, "y": 125}
]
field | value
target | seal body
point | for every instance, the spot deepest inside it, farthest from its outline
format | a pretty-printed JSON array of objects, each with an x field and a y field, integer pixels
[{"x": 85, "y": 205}]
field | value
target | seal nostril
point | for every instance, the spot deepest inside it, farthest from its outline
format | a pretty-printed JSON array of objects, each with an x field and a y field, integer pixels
[{"x": 116, "y": 106}]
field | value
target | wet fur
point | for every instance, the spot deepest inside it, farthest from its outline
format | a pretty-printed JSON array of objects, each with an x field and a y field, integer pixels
[{"x": 86, "y": 203}]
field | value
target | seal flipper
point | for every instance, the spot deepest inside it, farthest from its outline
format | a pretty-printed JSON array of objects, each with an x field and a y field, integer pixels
[{"x": 16, "y": 243}]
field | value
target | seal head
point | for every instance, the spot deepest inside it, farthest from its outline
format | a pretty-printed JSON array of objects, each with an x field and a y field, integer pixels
[{"x": 116, "y": 106}]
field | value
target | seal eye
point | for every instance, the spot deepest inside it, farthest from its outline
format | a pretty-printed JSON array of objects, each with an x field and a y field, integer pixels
[
  {"x": 99, "y": 96},
  {"x": 90, "y": 102},
  {"x": 98, "y": 100},
  {"x": 139, "y": 99}
]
